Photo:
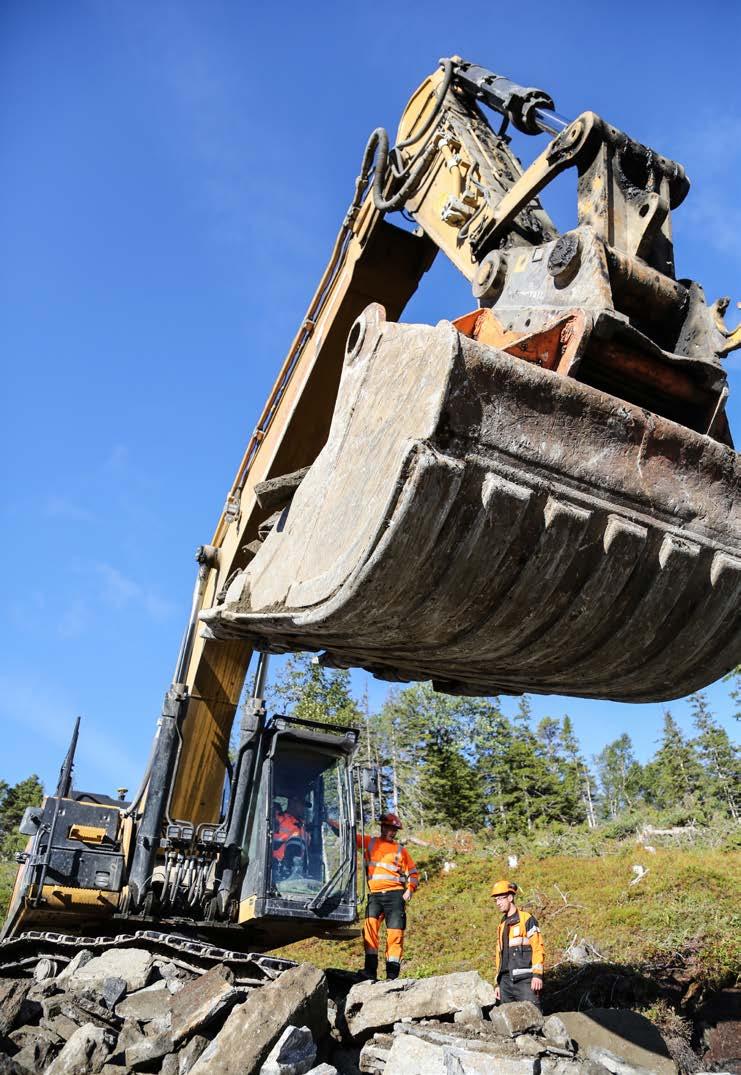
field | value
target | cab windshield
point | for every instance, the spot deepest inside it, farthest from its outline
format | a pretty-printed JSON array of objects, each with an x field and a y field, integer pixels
[{"x": 309, "y": 822}]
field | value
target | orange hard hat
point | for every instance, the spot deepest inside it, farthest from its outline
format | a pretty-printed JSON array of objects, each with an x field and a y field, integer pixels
[
  {"x": 504, "y": 888},
  {"x": 392, "y": 820}
]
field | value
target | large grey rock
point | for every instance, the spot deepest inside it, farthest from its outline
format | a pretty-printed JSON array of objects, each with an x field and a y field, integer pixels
[
  {"x": 10, "y": 1066},
  {"x": 134, "y": 965},
  {"x": 623, "y": 1041},
  {"x": 37, "y": 1054},
  {"x": 130, "y": 1034},
  {"x": 371, "y": 1006},
  {"x": 375, "y": 1053},
  {"x": 200, "y": 1001},
  {"x": 85, "y": 1053},
  {"x": 554, "y": 1031},
  {"x": 298, "y": 996},
  {"x": 516, "y": 1018},
  {"x": 189, "y": 1053},
  {"x": 323, "y": 1069},
  {"x": 152, "y": 1002},
  {"x": 60, "y": 1025},
  {"x": 145, "y": 1052},
  {"x": 13, "y": 992},
  {"x": 529, "y": 1046},
  {"x": 556, "y": 1065},
  {"x": 79, "y": 960},
  {"x": 469, "y": 1015},
  {"x": 169, "y": 1064},
  {"x": 27, "y": 1035},
  {"x": 410, "y": 1055},
  {"x": 294, "y": 1053},
  {"x": 467, "y": 1062},
  {"x": 111, "y": 991}
]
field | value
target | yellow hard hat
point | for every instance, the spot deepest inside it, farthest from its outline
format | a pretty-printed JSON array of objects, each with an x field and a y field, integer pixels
[{"x": 504, "y": 888}]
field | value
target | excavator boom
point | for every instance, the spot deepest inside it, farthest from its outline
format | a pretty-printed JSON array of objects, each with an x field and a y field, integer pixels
[{"x": 540, "y": 494}]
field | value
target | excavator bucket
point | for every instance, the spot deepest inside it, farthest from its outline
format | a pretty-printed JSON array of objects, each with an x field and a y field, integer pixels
[{"x": 489, "y": 525}]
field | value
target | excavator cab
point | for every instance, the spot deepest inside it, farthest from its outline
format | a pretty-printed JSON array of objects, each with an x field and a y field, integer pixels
[{"x": 298, "y": 852}]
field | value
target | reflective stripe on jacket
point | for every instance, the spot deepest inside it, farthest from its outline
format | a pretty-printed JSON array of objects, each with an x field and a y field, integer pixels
[
  {"x": 388, "y": 865},
  {"x": 287, "y": 827},
  {"x": 526, "y": 951}
]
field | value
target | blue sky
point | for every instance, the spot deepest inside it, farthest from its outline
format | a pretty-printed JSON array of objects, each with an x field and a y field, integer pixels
[{"x": 174, "y": 175}]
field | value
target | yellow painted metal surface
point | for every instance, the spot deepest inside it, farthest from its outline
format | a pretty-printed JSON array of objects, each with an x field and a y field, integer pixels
[
  {"x": 60, "y": 898},
  {"x": 247, "y": 909},
  {"x": 88, "y": 834}
]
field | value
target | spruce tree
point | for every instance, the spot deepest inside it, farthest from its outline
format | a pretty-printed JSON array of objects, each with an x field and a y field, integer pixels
[
  {"x": 720, "y": 760},
  {"x": 492, "y": 738},
  {"x": 525, "y": 773},
  {"x": 673, "y": 775},
  {"x": 577, "y": 781}
]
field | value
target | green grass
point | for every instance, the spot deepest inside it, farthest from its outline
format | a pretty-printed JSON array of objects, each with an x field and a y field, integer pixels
[
  {"x": 7, "y": 880},
  {"x": 686, "y": 905},
  {"x": 577, "y": 884}
]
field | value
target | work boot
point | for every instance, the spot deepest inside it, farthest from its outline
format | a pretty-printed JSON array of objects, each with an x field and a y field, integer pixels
[
  {"x": 371, "y": 967},
  {"x": 393, "y": 969}
]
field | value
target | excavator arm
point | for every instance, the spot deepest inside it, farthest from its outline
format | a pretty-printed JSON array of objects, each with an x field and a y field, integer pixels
[
  {"x": 539, "y": 495},
  {"x": 372, "y": 261}
]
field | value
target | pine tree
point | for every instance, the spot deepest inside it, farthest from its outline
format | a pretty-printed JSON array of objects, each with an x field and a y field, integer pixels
[
  {"x": 13, "y": 802},
  {"x": 720, "y": 759}
]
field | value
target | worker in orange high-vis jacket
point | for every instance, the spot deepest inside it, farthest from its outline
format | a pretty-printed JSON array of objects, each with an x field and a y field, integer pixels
[
  {"x": 520, "y": 953},
  {"x": 392, "y": 880}
]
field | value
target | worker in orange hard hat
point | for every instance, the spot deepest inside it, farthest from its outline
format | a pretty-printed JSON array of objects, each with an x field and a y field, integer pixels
[
  {"x": 520, "y": 953},
  {"x": 392, "y": 880}
]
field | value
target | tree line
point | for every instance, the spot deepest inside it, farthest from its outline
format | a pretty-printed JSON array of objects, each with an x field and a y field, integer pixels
[{"x": 463, "y": 762}]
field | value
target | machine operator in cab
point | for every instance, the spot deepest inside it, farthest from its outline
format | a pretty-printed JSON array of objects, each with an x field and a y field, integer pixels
[
  {"x": 392, "y": 880},
  {"x": 291, "y": 837}
]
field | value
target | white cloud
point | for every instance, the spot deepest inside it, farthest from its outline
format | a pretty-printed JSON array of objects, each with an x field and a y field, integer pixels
[{"x": 119, "y": 592}]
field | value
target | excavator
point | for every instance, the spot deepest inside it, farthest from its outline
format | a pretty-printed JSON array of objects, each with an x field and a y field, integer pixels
[{"x": 537, "y": 495}]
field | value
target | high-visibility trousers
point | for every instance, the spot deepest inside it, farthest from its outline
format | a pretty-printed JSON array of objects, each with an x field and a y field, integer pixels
[{"x": 391, "y": 908}]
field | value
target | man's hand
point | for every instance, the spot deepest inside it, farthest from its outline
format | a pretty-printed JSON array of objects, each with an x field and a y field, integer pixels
[
  {"x": 497, "y": 994},
  {"x": 536, "y": 985},
  {"x": 407, "y": 895}
]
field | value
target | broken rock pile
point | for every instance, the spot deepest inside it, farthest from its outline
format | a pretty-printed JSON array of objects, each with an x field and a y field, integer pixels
[{"x": 129, "y": 1011}]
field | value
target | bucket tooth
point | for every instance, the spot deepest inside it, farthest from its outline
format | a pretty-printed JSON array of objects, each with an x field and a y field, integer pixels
[{"x": 495, "y": 527}]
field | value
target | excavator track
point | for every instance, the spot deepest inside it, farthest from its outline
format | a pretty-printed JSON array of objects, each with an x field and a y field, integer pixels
[
  {"x": 43, "y": 954},
  {"x": 495, "y": 527}
]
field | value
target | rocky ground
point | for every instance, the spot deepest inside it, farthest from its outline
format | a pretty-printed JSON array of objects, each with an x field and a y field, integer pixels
[{"x": 130, "y": 1011}]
